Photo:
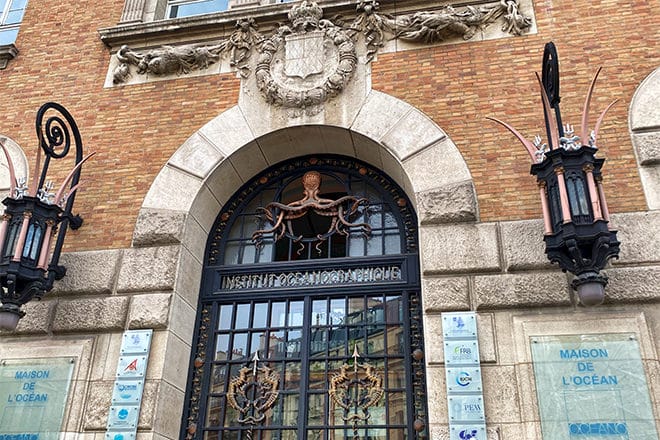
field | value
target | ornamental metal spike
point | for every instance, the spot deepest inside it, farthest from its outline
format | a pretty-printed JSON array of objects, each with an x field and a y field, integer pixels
[
  {"x": 600, "y": 120},
  {"x": 585, "y": 111},
  {"x": 527, "y": 144}
]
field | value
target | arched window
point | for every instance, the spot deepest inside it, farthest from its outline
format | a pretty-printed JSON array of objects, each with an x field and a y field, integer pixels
[{"x": 310, "y": 323}]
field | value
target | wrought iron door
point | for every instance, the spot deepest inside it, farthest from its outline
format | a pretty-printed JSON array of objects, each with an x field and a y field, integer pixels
[{"x": 309, "y": 323}]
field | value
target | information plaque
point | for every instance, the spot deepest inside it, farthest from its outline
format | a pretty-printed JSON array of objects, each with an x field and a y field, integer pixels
[
  {"x": 33, "y": 396},
  {"x": 465, "y": 401},
  {"x": 592, "y": 387}
]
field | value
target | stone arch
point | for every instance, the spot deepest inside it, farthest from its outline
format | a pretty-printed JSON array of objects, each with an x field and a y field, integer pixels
[
  {"x": 18, "y": 159},
  {"x": 644, "y": 123},
  {"x": 181, "y": 206}
]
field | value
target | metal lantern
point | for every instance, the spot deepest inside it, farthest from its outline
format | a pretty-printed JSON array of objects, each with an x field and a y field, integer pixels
[
  {"x": 576, "y": 231},
  {"x": 36, "y": 216}
]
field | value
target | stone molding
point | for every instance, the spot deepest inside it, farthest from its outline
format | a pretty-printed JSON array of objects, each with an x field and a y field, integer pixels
[
  {"x": 644, "y": 122},
  {"x": 173, "y": 54},
  {"x": 7, "y": 53}
]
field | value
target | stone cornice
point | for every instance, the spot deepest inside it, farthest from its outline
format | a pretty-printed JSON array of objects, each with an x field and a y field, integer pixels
[{"x": 7, "y": 53}]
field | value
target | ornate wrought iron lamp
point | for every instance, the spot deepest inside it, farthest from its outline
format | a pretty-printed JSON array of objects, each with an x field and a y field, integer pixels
[
  {"x": 36, "y": 216},
  {"x": 575, "y": 214}
]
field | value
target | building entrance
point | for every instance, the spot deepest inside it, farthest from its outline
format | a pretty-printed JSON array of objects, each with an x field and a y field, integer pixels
[{"x": 309, "y": 323}]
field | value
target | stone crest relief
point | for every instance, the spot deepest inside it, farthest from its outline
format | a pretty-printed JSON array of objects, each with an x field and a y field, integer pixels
[{"x": 304, "y": 65}]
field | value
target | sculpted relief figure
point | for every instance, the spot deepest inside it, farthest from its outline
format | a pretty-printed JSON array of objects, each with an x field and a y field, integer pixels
[{"x": 312, "y": 59}]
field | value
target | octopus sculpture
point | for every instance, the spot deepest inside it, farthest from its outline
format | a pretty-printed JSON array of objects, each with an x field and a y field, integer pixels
[{"x": 341, "y": 210}]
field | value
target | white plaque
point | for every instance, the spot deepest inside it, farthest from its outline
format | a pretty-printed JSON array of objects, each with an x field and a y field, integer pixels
[
  {"x": 459, "y": 325},
  {"x": 461, "y": 353},
  {"x": 464, "y": 380}
]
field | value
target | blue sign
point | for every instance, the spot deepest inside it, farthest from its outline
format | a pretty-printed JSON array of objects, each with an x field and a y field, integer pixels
[
  {"x": 467, "y": 432},
  {"x": 127, "y": 391},
  {"x": 592, "y": 387},
  {"x": 463, "y": 380},
  {"x": 123, "y": 417},
  {"x": 33, "y": 397}
]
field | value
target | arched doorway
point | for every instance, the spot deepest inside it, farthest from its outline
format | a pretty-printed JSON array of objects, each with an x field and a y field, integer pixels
[{"x": 309, "y": 319}]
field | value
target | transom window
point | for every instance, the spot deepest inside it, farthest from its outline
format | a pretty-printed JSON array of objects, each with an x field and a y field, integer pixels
[
  {"x": 309, "y": 323},
  {"x": 11, "y": 15},
  {"x": 187, "y": 8}
]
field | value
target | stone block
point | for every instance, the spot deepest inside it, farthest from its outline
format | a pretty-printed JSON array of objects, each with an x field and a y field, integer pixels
[
  {"x": 90, "y": 272},
  {"x": 167, "y": 420},
  {"x": 452, "y": 203},
  {"x": 500, "y": 394},
  {"x": 183, "y": 317},
  {"x": 650, "y": 177},
  {"x": 459, "y": 248},
  {"x": 223, "y": 182},
  {"x": 379, "y": 114},
  {"x": 189, "y": 277},
  {"x": 411, "y": 134},
  {"x": 194, "y": 238},
  {"x": 436, "y": 167},
  {"x": 248, "y": 161},
  {"x": 158, "y": 227},
  {"x": 97, "y": 405},
  {"x": 197, "y": 156},
  {"x": 173, "y": 188},
  {"x": 633, "y": 284},
  {"x": 486, "y": 337},
  {"x": 434, "y": 353},
  {"x": 148, "y": 269},
  {"x": 647, "y": 146},
  {"x": 521, "y": 290},
  {"x": 149, "y": 311},
  {"x": 437, "y": 395},
  {"x": 445, "y": 294},
  {"x": 90, "y": 314},
  {"x": 148, "y": 407},
  {"x": 527, "y": 391},
  {"x": 639, "y": 234},
  {"x": 523, "y": 245},
  {"x": 205, "y": 208},
  {"x": 38, "y": 315},
  {"x": 229, "y": 131}
]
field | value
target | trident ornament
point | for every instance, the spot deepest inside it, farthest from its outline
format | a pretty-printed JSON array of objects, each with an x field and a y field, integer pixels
[
  {"x": 356, "y": 391},
  {"x": 252, "y": 393}
]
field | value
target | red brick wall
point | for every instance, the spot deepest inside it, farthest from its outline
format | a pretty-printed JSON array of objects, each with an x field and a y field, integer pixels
[{"x": 135, "y": 129}]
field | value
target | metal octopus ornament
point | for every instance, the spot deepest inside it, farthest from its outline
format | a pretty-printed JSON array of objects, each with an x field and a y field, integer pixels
[{"x": 341, "y": 210}]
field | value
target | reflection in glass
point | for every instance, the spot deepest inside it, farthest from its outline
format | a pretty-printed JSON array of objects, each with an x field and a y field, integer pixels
[
  {"x": 292, "y": 376},
  {"x": 218, "y": 378},
  {"x": 222, "y": 347},
  {"x": 290, "y": 410},
  {"x": 260, "y": 315},
  {"x": 319, "y": 312},
  {"x": 316, "y": 409},
  {"x": 214, "y": 411},
  {"x": 242, "y": 316},
  {"x": 224, "y": 323},
  {"x": 278, "y": 314},
  {"x": 239, "y": 347}
]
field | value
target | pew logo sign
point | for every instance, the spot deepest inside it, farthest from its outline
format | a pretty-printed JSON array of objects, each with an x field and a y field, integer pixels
[
  {"x": 592, "y": 387},
  {"x": 33, "y": 396}
]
